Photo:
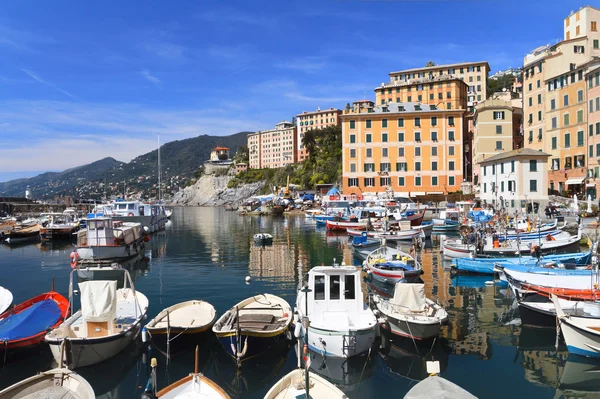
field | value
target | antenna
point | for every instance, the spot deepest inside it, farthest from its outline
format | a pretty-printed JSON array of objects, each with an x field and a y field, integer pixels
[{"x": 159, "y": 186}]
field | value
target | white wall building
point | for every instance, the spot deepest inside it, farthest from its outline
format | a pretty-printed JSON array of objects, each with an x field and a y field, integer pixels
[{"x": 513, "y": 178}]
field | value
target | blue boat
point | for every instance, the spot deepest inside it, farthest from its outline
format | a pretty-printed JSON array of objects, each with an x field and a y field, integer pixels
[
  {"x": 364, "y": 241},
  {"x": 322, "y": 219},
  {"x": 486, "y": 265},
  {"x": 255, "y": 325},
  {"x": 542, "y": 235}
]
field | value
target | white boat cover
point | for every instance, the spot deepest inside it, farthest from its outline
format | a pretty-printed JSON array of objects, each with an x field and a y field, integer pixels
[
  {"x": 98, "y": 300},
  {"x": 435, "y": 387},
  {"x": 410, "y": 296}
]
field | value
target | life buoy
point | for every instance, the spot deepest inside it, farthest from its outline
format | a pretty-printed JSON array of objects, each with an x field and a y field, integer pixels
[{"x": 130, "y": 214}]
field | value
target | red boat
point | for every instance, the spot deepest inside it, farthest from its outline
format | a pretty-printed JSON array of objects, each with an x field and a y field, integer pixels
[
  {"x": 26, "y": 325},
  {"x": 343, "y": 225},
  {"x": 565, "y": 293}
]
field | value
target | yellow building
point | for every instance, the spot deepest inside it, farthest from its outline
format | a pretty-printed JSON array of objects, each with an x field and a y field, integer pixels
[
  {"x": 593, "y": 112},
  {"x": 555, "y": 105},
  {"x": 273, "y": 148},
  {"x": 444, "y": 92},
  {"x": 403, "y": 147},
  {"x": 474, "y": 74},
  {"x": 318, "y": 119}
]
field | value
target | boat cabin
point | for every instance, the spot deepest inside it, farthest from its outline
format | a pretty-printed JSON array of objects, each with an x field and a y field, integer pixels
[
  {"x": 335, "y": 297},
  {"x": 137, "y": 208},
  {"x": 103, "y": 231}
]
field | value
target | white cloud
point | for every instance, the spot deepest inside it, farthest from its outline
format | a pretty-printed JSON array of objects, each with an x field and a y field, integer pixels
[
  {"x": 150, "y": 78},
  {"x": 36, "y": 77},
  {"x": 306, "y": 65}
]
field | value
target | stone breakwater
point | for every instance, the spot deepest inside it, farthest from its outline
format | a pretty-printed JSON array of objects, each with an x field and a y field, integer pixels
[{"x": 212, "y": 190}]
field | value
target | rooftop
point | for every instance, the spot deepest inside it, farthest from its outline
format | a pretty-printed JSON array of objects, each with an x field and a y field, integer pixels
[
  {"x": 403, "y": 108},
  {"x": 521, "y": 152},
  {"x": 319, "y": 110},
  {"x": 441, "y": 67},
  {"x": 417, "y": 81},
  {"x": 221, "y": 149}
]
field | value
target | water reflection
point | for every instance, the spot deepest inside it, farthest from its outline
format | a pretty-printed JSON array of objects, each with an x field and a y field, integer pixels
[
  {"x": 347, "y": 374},
  {"x": 580, "y": 378}
]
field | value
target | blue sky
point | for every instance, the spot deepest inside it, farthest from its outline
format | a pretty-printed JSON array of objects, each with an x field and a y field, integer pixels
[{"x": 83, "y": 80}]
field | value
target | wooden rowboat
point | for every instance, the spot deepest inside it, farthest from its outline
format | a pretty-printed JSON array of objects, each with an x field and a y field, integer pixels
[{"x": 55, "y": 383}]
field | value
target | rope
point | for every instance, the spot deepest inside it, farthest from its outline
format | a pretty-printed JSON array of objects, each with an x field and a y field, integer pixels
[{"x": 365, "y": 365}]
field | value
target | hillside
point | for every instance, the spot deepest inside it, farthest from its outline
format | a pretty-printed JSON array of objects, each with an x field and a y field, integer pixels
[
  {"x": 50, "y": 184},
  {"x": 180, "y": 159}
]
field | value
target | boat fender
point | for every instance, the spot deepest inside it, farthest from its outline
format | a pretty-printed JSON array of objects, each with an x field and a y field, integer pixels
[
  {"x": 297, "y": 330},
  {"x": 130, "y": 214},
  {"x": 248, "y": 279},
  {"x": 144, "y": 335}
]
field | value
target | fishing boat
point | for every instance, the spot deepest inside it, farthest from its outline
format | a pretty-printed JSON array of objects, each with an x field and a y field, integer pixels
[
  {"x": 486, "y": 265},
  {"x": 60, "y": 226},
  {"x": 435, "y": 386},
  {"x": 105, "y": 240},
  {"x": 363, "y": 241},
  {"x": 57, "y": 383},
  {"x": 293, "y": 386},
  {"x": 108, "y": 321},
  {"x": 551, "y": 278},
  {"x": 443, "y": 225},
  {"x": 333, "y": 225},
  {"x": 254, "y": 325},
  {"x": 194, "y": 386},
  {"x": 390, "y": 265},
  {"x": 24, "y": 326},
  {"x": 581, "y": 334},
  {"x": 537, "y": 310},
  {"x": 263, "y": 238},
  {"x": 410, "y": 313},
  {"x": 341, "y": 324},
  {"x": 151, "y": 216},
  {"x": 23, "y": 233},
  {"x": 181, "y": 326},
  {"x": 6, "y": 298}
]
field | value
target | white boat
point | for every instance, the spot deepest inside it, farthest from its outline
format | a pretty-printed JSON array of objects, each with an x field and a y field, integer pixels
[
  {"x": 551, "y": 278},
  {"x": 410, "y": 314},
  {"x": 341, "y": 324},
  {"x": 108, "y": 321},
  {"x": 436, "y": 387},
  {"x": 293, "y": 386},
  {"x": 194, "y": 386},
  {"x": 181, "y": 325},
  {"x": 390, "y": 265},
  {"x": 6, "y": 299},
  {"x": 262, "y": 237},
  {"x": 152, "y": 216},
  {"x": 56, "y": 383},
  {"x": 105, "y": 240},
  {"x": 581, "y": 334}
]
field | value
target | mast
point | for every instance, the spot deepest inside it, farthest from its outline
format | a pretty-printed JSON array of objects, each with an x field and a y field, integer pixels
[{"x": 159, "y": 186}]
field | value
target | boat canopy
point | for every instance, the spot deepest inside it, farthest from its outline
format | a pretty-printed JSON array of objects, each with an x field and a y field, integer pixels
[
  {"x": 410, "y": 296},
  {"x": 38, "y": 317},
  {"x": 333, "y": 191},
  {"x": 98, "y": 300}
]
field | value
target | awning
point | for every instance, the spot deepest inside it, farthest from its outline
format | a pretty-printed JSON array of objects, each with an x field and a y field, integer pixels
[
  {"x": 574, "y": 181},
  {"x": 590, "y": 185}
]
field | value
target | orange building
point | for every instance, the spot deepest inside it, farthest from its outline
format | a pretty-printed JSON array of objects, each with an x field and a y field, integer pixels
[
  {"x": 444, "y": 92},
  {"x": 314, "y": 120},
  {"x": 402, "y": 147},
  {"x": 593, "y": 129}
]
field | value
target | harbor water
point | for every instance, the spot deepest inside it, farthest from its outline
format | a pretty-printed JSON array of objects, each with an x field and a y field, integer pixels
[{"x": 206, "y": 253}]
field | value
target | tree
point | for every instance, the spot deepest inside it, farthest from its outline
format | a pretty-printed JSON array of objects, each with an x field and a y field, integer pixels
[
  {"x": 497, "y": 84},
  {"x": 293, "y": 120},
  {"x": 241, "y": 156},
  {"x": 309, "y": 141},
  {"x": 430, "y": 64}
]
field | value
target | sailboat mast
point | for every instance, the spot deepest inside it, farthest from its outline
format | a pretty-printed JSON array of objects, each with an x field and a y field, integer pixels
[{"x": 159, "y": 185}]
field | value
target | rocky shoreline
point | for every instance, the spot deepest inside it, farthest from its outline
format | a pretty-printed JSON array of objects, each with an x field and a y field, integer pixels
[{"x": 211, "y": 190}]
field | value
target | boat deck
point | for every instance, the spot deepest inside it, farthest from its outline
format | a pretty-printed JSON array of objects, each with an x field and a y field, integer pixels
[
  {"x": 295, "y": 388},
  {"x": 50, "y": 393},
  {"x": 127, "y": 314},
  {"x": 188, "y": 316}
]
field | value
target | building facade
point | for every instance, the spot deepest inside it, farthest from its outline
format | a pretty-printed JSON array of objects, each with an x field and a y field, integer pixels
[
  {"x": 515, "y": 178},
  {"x": 497, "y": 128},
  {"x": 593, "y": 136},
  {"x": 555, "y": 103},
  {"x": 474, "y": 74},
  {"x": 273, "y": 148},
  {"x": 402, "y": 147},
  {"x": 440, "y": 91},
  {"x": 318, "y": 119}
]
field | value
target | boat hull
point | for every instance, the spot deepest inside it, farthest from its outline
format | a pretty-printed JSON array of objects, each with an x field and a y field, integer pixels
[
  {"x": 57, "y": 234},
  {"x": 343, "y": 344},
  {"x": 579, "y": 340},
  {"x": 533, "y": 317},
  {"x": 99, "y": 254},
  {"x": 87, "y": 352},
  {"x": 418, "y": 331},
  {"x": 393, "y": 276},
  {"x": 182, "y": 339}
]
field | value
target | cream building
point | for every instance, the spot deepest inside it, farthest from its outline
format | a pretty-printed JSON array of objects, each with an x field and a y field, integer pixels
[
  {"x": 513, "y": 178},
  {"x": 318, "y": 119},
  {"x": 273, "y": 148},
  {"x": 497, "y": 128}
]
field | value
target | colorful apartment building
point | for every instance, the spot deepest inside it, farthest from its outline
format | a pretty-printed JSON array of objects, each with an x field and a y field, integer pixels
[
  {"x": 404, "y": 147},
  {"x": 318, "y": 119},
  {"x": 593, "y": 120},
  {"x": 273, "y": 148},
  {"x": 497, "y": 128},
  {"x": 443, "y": 92},
  {"x": 555, "y": 102},
  {"x": 474, "y": 74}
]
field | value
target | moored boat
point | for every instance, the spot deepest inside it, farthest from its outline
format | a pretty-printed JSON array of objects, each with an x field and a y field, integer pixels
[
  {"x": 537, "y": 310},
  {"x": 25, "y": 233},
  {"x": 151, "y": 216},
  {"x": 341, "y": 324},
  {"x": 60, "y": 226},
  {"x": 293, "y": 386},
  {"x": 263, "y": 238},
  {"x": 254, "y": 325},
  {"x": 410, "y": 314},
  {"x": 581, "y": 334},
  {"x": 24, "y": 326},
  {"x": 6, "y": 298},
  {"x": 390, "y": 265},
  {"x": 333, "y": 225},
  {"x": 108, "y": 321},
  {"x": 56, "y": 383},
  {"x": 181, "y": 326}
]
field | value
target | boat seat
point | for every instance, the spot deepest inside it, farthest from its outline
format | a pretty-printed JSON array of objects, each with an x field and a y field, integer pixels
[
  {"x": 259, "y": 326},
  {"x": 51, "y": 392},
  {"x": 256, "y": 318}
]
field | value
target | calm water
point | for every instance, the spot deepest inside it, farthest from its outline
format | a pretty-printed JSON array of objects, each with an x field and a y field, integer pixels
[{"x": 206, "y": 253}]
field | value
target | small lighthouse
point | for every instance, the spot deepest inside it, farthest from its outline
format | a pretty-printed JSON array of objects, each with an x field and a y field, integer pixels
[{"x": 28, "y": 193}]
